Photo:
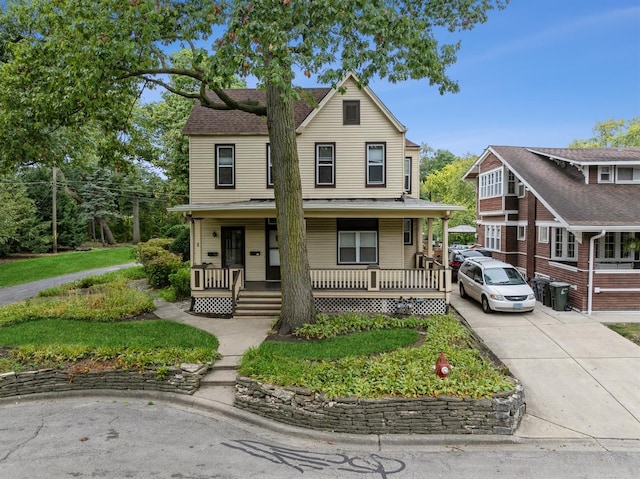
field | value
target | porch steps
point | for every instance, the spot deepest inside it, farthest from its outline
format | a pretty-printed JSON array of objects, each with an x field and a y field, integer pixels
[{"x": 258, "y": 304}]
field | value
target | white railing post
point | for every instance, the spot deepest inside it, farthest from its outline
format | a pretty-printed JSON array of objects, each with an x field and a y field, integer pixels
[{"x": 197, "y": 278}]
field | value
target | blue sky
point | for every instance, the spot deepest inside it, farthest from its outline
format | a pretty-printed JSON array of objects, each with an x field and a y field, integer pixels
[{"x": 539, "y": 73}]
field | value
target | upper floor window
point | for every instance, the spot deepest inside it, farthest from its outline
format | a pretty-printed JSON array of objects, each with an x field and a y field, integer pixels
[
  {"x": 407, "y": 230},
  {"x": 563, "y": 245},
  {"x": 511, "y": 183},
  {"x": 351, "y": 112},
  {"x": 605, "y": 174},
  {"x": 491, "y": 183},
  {"x": 521, "y": 232},
  {"x": 225, "y": 166},
  {"x": 493, "y": 237},
  {"x": 407, "y": 174},
  {"x": 376, "y": 159},
  {"x": 628, "y": 174},
  {"x": 269, "y": 167},
  {"x": 325, "y": 164},
  {"x": 543, "y": 234}
]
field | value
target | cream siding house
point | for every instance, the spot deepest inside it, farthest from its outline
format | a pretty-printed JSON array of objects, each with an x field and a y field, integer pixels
[{"x": 363, "y": 216}]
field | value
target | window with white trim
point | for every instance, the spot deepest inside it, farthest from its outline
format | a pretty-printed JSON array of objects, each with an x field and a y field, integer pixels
[
  {"x": 407, "y": 230},
  {"x": 521, "y": 190},
  {"x": 407, "y": 174},
  {"x": 563, "y": 245},
  {"x": 543, "y": 234},
  {"x": 492, "y": 237},
  {"x": 628, "y": 174},
  {"x": 325, "y": 164},
  {"x": 225, "y": 166},
  {"x": 376, "y": 156},
  {"x": 511, "y": 183},
  {"x": 522, "y": 232},
  {"x": 605, "y": 174},
  {"x": 269, "y": 167},
  {"x": 357, "y": 240},
  {"x": 491, "y": 184},
  {"x": 610, "y": 248}
]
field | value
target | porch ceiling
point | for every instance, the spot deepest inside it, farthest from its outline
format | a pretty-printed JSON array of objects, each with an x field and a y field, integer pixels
[{"x": 403, "y": 207}]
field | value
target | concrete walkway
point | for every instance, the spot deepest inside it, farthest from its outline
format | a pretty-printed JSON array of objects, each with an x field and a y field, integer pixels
[{"x": 581, "y": 379}]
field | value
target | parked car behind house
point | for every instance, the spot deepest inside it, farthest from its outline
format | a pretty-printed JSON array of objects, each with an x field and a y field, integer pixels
[
  {"x": 457, "y": 257},
  {"x": 498, "y": 286}
]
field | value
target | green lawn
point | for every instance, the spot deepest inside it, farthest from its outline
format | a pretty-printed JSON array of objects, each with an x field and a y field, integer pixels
[
  {"x": 631, "y": 331},
  {"x": 34, "y": 269}
]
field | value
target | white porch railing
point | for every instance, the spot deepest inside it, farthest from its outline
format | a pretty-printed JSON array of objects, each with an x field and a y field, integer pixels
[{"x": 203, "y": 277}]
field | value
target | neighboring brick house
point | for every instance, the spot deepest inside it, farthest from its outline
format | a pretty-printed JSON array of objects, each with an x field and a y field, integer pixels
[
  {"x": 564, "y": 214},
  {"x": 360, "y": 183}
]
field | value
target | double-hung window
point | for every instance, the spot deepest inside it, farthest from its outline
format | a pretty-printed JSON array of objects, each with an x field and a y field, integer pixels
[
  {"x": 407, "y": 230},
  {"x": 325, "y": 164},
  {"x": 269, "y": 167},
  {"x": 563, "y": 245},
  {"x": 357, "y": 241},
  {"x": 628, "y": 174},
  {"x": 611, "y": 248},
  {"x": 225, "y": 166},
  {"x": 376, "y": 159},
  {"x": 407, "y": 174},
  {"x": 492, "y": 237}
]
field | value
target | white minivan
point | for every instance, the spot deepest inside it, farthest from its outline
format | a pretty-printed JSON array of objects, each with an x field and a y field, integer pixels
[{"x": 498, "y": 286}]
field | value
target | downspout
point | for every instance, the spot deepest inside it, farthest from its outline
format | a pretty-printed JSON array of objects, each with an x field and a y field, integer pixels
[{"x": 592, "y": 243}]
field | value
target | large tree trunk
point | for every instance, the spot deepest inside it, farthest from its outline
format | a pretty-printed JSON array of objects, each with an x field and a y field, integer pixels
[
  {"x": 297, "y": 299},
  {"x": 106, "y": 235}
]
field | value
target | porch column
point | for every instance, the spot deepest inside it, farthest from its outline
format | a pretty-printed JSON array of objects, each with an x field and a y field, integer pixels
[
  {"x": 445, "y": 259},
  {"x": 196, "y": 241},
  {"x": 430, "y": 237}
]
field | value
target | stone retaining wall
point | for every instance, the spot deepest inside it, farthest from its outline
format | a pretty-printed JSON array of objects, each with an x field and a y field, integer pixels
[
  {"x": 430, "y": 415},
  {"x": 183, "y": 380}
]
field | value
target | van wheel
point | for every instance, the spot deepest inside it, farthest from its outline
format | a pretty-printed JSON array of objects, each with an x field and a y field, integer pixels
[
  {"x": 485, "y": 305},
  {"x": 463, "y": 293}
]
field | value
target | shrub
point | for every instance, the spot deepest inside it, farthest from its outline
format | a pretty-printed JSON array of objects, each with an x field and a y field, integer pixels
[
  {"x": 182, "y": 243},
  {"x": 181, "y": 282},
  {"x": 160, "y": 267}
]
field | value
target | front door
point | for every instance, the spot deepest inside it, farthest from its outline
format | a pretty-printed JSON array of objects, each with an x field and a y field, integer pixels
[
  {"x": 273, "y": 254},
  {"x": 232, "y": 246}
]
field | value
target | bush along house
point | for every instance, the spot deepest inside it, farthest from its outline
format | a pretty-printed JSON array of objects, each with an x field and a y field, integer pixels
[
  {"x": 565, "y": 215},
  {"x": 363, "y": 215}
]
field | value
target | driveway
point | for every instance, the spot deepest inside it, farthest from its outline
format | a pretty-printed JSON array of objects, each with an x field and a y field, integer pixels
[{"x": 581, "y": 379}]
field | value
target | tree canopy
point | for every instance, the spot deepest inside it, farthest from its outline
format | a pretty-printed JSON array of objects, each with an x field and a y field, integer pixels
[
  {"x": 68, "y": 60},
  {"x": 612, "y": 133}
]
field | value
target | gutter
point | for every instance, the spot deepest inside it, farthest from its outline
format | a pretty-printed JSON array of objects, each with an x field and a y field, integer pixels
[{"x": 592, "y": 243}]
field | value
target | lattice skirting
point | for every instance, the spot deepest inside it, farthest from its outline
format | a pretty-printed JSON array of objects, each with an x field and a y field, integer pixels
[
  {"x": 213, "y": 306},
  {"x": 422, "y": 306}
]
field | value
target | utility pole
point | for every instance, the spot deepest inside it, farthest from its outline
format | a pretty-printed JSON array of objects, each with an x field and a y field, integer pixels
[{"x": 54, "y": 210}]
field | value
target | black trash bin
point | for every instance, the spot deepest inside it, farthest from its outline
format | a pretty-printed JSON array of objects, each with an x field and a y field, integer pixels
[
  {"x": 559, "y": 295},
  {"x": 546, "y": 292}
]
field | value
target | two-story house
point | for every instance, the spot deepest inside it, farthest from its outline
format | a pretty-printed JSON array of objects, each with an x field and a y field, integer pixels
[
  {"x": 565, "y": 214},
  {"x": 363, "y": 216}
]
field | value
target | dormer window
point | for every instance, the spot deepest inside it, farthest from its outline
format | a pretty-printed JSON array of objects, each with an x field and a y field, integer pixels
[
  {"x": 351, "y": 112},
  {"x": 628, "y": 174},
  {"x": 491, "y": 183}
]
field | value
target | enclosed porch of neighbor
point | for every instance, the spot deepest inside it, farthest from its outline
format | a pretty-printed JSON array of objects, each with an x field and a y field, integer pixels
[{"x": 363, "y": 256}]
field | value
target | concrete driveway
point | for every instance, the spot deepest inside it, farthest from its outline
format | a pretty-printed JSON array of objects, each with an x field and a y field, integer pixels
[{"x": 581, "y": 379}]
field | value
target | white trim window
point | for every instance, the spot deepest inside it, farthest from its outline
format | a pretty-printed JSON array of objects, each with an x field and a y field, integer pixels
[
  {"x": 225, "y": 166},
  {"x": 376, "y": 156},
  {"x": 521, "y": 232},
  {"x": 610, "y": 248},
  {"x": 511, "y": 183},
  {"x": 493, "y": 237},
  {"x": 563, "y": 245},
  {"x": 605, "y": 174},
  {"x": 357, "y": 247},
  {"x": 628, "y": 174},
  {"x": 491, "y": 184},
  {"x": 543, "y": 234},
  {"x": 325, "y": 164}
]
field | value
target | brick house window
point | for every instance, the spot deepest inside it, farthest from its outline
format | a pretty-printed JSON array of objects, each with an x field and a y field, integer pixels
[
  {"x": 563, "y": 245},
  {"x": 491, "y": 184}
]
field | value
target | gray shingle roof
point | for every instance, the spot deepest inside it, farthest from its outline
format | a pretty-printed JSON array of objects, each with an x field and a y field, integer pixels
[
  {"x": 207, "y": 121},
  {"x": 562, "y": 186}
]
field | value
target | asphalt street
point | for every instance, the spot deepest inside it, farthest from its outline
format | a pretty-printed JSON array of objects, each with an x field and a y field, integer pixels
[{"x": 115, "y": 438}]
